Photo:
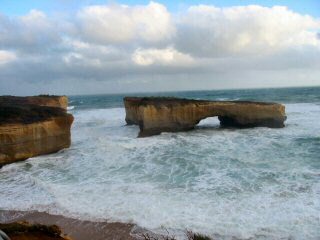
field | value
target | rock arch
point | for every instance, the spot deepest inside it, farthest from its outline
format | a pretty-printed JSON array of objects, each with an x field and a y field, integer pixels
[{"x": 157, "y": 114}]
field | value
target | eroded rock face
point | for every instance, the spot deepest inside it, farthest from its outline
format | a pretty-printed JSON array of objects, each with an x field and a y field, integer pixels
[
  {"x": 29, "y": 127},
  {"x": 155, "y": 115}
]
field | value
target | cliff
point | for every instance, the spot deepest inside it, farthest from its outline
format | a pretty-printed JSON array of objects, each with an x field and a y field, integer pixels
[
  {"x": 29, "y": 127},
  {"x": 41, "y": 100},
  {"x": 155, "y": 115}
]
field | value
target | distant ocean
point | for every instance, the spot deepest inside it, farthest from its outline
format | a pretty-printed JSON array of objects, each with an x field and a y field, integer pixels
[{"x": 255, "y": 183}]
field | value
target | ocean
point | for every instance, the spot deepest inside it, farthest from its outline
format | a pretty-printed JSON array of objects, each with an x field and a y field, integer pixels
[{"x": 257, "y": 183}]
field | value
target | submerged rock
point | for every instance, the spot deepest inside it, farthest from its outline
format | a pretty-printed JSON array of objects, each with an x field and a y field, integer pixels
[
  {"x": 156, "y": 114},
  {"x": 32, "y": 126}
]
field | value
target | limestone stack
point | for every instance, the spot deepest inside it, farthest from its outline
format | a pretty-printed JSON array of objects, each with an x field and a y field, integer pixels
[
  {"x": 155, "y": 115},
  {"x": 32, "y": 126}
]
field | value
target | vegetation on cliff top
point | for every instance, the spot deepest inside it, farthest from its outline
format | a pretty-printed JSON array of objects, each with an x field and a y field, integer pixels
[{"x": 12, "y": 113}]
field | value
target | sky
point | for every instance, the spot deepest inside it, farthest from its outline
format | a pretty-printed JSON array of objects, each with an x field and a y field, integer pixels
[{"x": 97, "y": 46}]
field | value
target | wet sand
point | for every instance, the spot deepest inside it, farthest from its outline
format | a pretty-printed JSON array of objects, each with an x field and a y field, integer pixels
[{"x": 74, "y": 228}]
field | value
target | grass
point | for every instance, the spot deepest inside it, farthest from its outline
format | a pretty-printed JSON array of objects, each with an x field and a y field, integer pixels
[{"x": 14, "y": 113}]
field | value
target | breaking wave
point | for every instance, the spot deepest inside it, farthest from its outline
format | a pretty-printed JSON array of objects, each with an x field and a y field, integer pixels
[{"x": 260, "y": 183}]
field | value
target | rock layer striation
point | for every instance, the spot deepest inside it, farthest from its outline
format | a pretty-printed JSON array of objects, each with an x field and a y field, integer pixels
[
  {"x": 155, "y": 114},
  {"x": 32, "y": 126}
]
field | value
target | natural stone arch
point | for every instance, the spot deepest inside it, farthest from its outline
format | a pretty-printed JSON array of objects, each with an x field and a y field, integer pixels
[{"x": 155, "y": 115}]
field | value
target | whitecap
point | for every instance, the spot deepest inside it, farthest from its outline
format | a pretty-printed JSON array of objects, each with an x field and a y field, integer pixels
[{"x": 259, "y": 183}]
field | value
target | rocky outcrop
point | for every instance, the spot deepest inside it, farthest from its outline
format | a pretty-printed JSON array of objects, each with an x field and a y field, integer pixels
[
  {"x": 30, "y": 126},
  {"x": 27, "y": 231},
  {"x": 155, "y": 115},
  {"x": 75, "y": 228}
]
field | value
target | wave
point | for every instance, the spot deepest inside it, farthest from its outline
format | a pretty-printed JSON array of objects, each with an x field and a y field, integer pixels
[{"x": 259, "y": 183}]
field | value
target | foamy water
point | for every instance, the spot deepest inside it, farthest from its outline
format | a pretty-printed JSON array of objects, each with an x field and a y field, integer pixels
[{"x": 261, "y": 183}]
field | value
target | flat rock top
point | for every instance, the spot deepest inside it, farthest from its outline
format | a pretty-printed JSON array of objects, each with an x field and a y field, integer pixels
[
  {"x": 30, "y": 100},
  {"x": 184, "y": 101},
  {"x": 26, "y": 110},
  {"x": 27, "y": 113}
]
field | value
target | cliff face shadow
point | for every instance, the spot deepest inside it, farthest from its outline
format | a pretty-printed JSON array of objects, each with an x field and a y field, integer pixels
[{"x": 214, "y": 124}]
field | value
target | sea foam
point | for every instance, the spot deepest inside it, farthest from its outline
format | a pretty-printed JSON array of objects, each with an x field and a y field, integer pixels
[{"x": 260, "y": 183}]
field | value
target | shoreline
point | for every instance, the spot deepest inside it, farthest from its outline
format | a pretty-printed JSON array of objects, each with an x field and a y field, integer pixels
[{"x": 74, "y": 228}]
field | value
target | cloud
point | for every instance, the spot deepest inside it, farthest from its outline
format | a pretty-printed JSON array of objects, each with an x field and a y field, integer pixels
[
  {"x": 208, "y": 31},
  {"x": 167, "y": 56},
  {"x": 6, "y": 57},
  {"x": 106, "y": 48},
  {"x": 83, "y": 53},
  {"x": 115, "y": 24},
  {"x": 32, "y": 33}
]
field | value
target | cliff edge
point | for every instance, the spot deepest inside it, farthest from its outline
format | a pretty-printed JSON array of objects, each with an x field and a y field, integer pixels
[
  {"x": 157, "y": 114},
  {"x": 32, "y": 126},
  {"x": 41, "y": 100}
]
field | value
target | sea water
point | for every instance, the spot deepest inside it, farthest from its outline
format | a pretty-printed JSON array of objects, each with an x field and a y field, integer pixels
[{"x": 258, "y": 183}]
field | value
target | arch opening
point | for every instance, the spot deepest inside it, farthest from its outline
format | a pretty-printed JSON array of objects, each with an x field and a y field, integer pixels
[{"x": 209, "y": 122}]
